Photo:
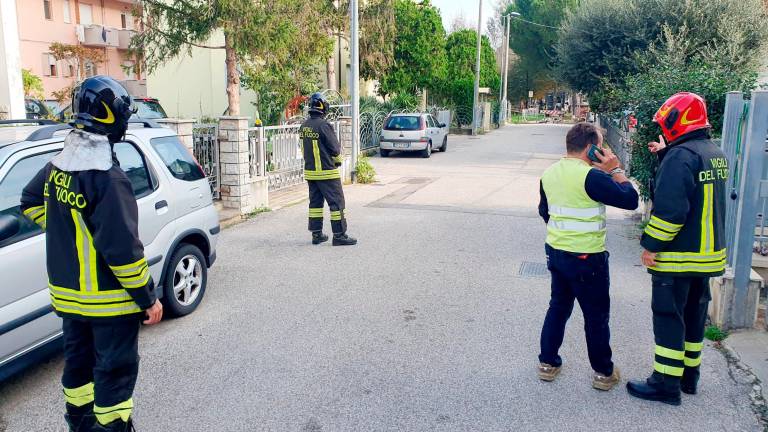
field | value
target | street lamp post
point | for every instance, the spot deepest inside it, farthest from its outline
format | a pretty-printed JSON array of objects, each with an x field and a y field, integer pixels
[
  {"x": 476, "y": 99},
  {"x": 355, "y": 84},
  {"x": 504, "y": 20},
  {"x": 505, "y": 78}
]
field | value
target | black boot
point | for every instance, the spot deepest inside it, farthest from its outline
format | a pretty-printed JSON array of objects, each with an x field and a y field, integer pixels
[
  {"x": 318, "y": 237},
  {"x": 659, "y": 388},
  {"x": 690, "y": 381},
  {"x": 343, "y": 240},
  {"x": 80, "y": 418},
  {"x": 115, "y": 426}
]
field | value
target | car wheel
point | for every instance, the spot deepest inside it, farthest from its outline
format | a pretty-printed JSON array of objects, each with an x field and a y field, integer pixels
[
  {"x": 427, "y": 152},
  {"x": 384, "y": 153},
  {"x": 444, "y": 147},
  {"x": 185, "y": 281}
]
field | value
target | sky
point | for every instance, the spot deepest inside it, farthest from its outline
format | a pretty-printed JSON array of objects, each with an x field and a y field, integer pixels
[{"x": 450, "y": 9}]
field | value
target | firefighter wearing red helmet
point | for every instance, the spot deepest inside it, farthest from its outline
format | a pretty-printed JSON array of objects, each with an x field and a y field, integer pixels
[{"x": 684, "y": 245}]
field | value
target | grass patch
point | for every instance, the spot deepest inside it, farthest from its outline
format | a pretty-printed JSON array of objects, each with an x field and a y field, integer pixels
[
  {"x": 715, "y": 334},
  {"x": 257, "y": 211},
  {"x": 365, "y": 172},
  {"x": 520, "y": 119}
]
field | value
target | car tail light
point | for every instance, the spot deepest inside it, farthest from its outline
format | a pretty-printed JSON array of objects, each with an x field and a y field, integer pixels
[{"x": 423, "y": 124}]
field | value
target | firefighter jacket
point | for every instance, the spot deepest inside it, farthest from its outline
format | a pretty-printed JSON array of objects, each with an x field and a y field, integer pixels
[
  {"x": 96, "y": 264},
  {"x": 687, "y": 226},
  {"x": 322, "y": 151}
]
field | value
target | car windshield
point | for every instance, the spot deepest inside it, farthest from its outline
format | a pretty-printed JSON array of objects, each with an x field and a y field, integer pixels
[
  {"x": 149, "y": 109},
  {"x": 403, "y": 123}
]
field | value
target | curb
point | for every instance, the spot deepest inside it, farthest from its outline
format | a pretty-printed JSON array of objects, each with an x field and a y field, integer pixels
[{"x": 735, "y": 365}]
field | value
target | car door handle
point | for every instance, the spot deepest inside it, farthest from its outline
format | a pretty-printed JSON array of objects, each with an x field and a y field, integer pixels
[{"x": 161, "y": 204}]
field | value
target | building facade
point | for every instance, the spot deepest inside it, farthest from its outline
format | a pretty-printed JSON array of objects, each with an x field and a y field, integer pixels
[{"x": 104, "y": 25}]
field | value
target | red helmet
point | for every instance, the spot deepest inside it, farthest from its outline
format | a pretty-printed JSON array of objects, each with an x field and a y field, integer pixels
[{"x": 681, "y": 114}]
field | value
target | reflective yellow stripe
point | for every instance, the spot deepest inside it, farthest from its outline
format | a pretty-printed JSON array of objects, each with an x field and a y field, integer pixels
[
  {"x": 106, "y": 310},
  {"x": 86, "y": 253},
  {"x": 134, "y": 277},
  {"x": 666, "y": 226},
  {"x": 35, "y": 212},
  {"x": 138, "y": 283},
  {"x": 669, "y": 353},
  {"x": 79, "y": 396},
  {"x": 707, "y": 241},
  {"x": 316, "y": 154},
  {"x": 668, "y": 370},
  {"x": 106, "y": 415},
  {"x": 129, "y": 268},
  {"x": 89, "y": 297},
  {"x": 691, "y": 362},
  {"x": 689, "y": 267},
  {"x": 658, "y": 235},
  {"x": 694, "y": 346},
  {"x": 691, "y": 256},
  {"x": 322, "y": 175}
]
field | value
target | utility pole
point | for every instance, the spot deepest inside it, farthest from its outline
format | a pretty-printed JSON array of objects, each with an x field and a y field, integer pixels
[
  {"x": 355, "y": 84},
  {"x": 505, "y": 78},
  {"x": 476, "y": 99},
  {"x": 501, "y": 86}
]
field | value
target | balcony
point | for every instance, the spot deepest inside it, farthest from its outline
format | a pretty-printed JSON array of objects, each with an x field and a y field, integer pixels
[
  {"x": 124, "y": 37},
  {"x": 98, "y": 36}
]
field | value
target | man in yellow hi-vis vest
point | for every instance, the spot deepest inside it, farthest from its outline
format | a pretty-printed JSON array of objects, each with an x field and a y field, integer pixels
[
  {"x": 574, "y": 193},
  {"x": 98, "y": 277}
]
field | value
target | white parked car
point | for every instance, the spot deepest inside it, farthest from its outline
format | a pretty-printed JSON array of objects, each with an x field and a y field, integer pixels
[
  {"x": 419, "y": 132},
  {"x": 178, "y": 225}
]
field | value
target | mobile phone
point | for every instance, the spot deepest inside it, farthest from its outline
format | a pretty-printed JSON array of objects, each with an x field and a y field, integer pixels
[{"x": 593, "y": 150}]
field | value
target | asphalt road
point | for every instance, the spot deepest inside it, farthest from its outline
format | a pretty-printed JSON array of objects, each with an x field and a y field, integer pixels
[{"x": 426, "y": 325}]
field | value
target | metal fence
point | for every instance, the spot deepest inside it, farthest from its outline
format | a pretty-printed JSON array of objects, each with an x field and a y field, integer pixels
[
  {"x": 617, "y": 136},
  {"x": 205, "y": 139},
  {"x": 275, "y": 151}
]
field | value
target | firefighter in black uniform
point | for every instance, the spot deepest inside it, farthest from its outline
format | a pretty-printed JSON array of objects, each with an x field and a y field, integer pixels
[
  {"x": 98, "y": 277},
  {"x": 322, "y": 158},
  {"x": 684, "y": 245}
]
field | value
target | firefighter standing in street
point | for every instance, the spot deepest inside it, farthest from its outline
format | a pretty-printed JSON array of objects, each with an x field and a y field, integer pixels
[
  {"x": 684, "y": 245},
  {"x": 322, "y": 158},
  {"x": 98, "y": 277}
]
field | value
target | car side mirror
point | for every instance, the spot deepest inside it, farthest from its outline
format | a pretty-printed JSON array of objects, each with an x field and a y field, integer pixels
[
  {"x": 442, "y": 125},
  {"x": 9, "y": 227}
]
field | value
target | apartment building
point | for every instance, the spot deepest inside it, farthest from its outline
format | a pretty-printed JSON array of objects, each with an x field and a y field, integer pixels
[{"x": 105, "y": 25}]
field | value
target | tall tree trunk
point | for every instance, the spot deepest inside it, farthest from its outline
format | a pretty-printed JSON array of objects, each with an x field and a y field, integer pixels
[
  {"x": 233, "y": 79},
  {"x": 330, "y": 69}
]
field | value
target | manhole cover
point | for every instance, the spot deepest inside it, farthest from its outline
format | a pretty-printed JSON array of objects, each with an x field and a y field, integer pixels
[{"x": 533, "y": 270}]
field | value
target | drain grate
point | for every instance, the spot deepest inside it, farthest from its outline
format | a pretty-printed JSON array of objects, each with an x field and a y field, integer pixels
[{"x": 533, "y": 270}]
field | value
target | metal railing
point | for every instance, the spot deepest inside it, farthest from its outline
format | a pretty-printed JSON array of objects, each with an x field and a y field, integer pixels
[
  {"x": 205, "y": 139},
  {"x": 275, "y": 151},
  {"x": 617, "y": 136}
]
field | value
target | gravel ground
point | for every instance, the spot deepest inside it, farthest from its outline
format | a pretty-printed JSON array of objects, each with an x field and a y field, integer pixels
[{"x": 426, "y": 325}]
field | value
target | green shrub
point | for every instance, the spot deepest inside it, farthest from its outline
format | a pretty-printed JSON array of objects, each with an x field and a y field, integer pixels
[
  {"x": 715, "y": 334},
  {"x": 365, "y": 171}
]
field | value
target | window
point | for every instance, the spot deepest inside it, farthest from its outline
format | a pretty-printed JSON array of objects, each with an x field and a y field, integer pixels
[
  {"x": 177, "y": 158},
  {"x": 403, "y": 123},
  {"x": 67, "y": 12},
  {"x": 132, "y": 162},
  {"x": 47, "y": 9},
  {"x": 126, "y": 20},
  {"x": 10, "y": 193},
  {"x": 431, "y": 122},
  {"x": 149, "y": 109},
  {"x": 86, "y": 13},
  {"x": 50, "y": 66}
]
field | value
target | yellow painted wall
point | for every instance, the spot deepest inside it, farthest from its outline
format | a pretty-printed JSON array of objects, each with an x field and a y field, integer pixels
[{"x": 194, "y": 86}]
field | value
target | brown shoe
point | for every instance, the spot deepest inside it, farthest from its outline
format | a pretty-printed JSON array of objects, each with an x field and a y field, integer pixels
[
  {"x": 548, "y": 372},
  {"x": 606, "y": 383}
]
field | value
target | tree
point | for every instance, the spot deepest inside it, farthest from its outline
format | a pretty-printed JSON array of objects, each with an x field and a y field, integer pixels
[
  {"x": 461, "y": 56},
  {"x": 377, "y": 35},
  {"x": 33, "y": 85},
  {"x": 77, "y": 56},
  {"x": 419, "y": 49},
  {"x": 255, "y": 32},
  {"x": 601, "y": 41},
  {"x": 534, "y": 41}
]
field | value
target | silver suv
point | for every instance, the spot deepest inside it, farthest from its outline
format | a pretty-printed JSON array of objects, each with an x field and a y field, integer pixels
[{"x": 178, "y": 225}]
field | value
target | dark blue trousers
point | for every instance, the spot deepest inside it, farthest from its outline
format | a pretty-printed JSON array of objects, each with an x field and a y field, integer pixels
[{"x": 584, "y": 278}]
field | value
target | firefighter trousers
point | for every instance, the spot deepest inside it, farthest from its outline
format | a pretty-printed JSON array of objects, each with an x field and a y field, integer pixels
[
  {"x": 101, "y": 364},
  {"x": 679, "y": 307},
  {"x": 330, "y": 191}
]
